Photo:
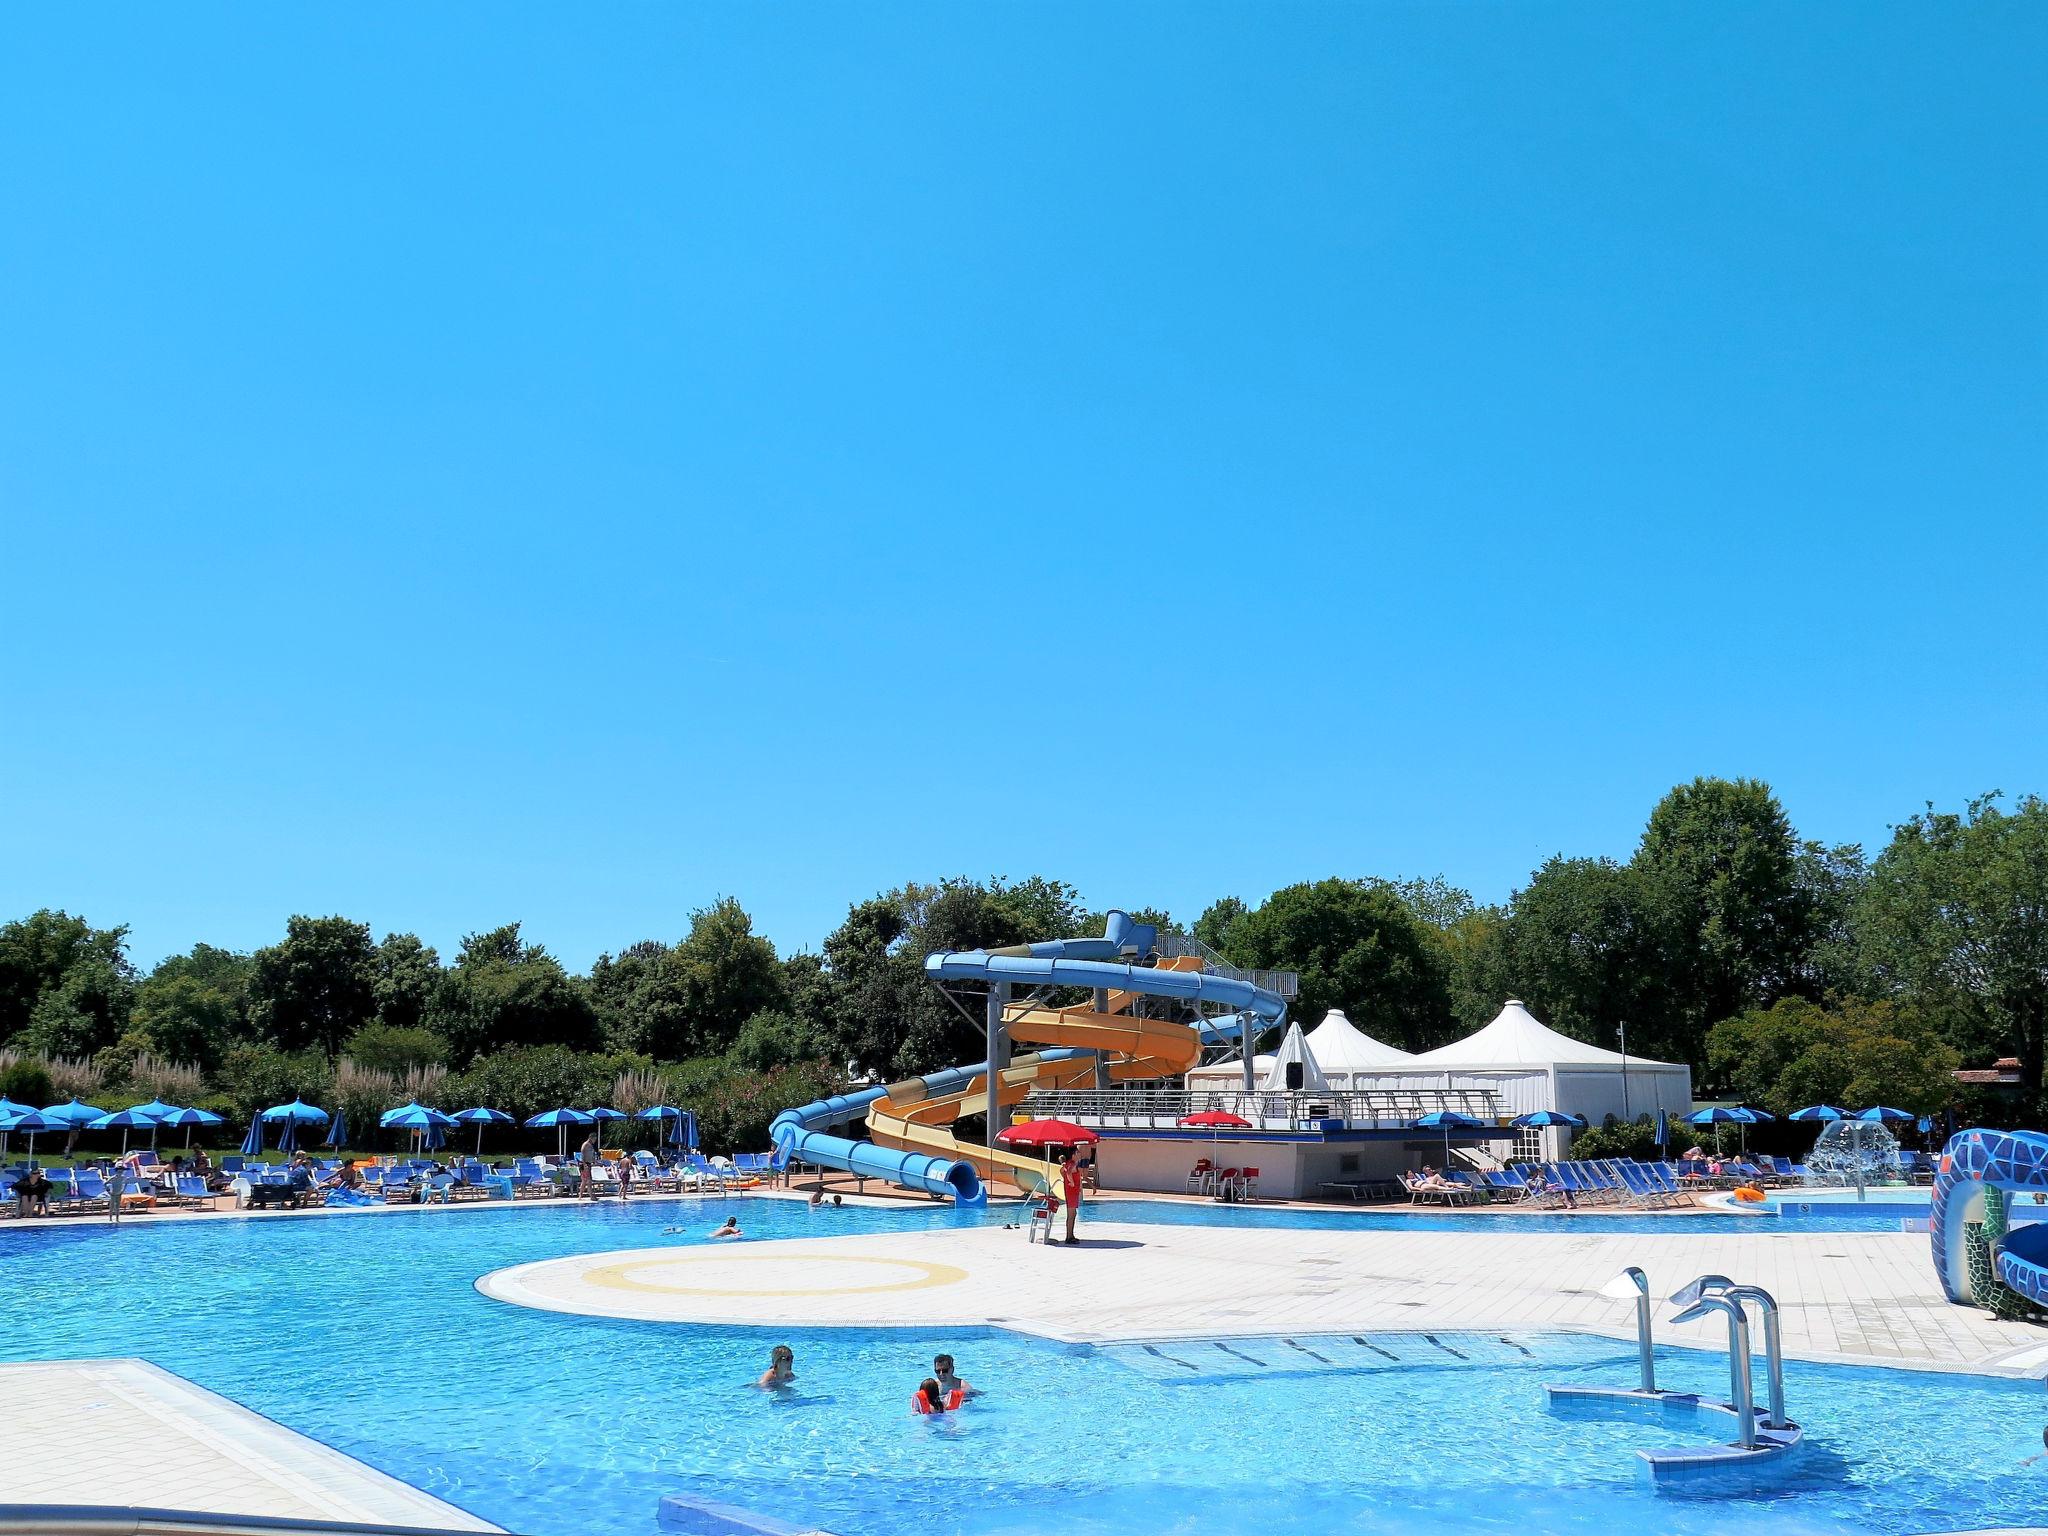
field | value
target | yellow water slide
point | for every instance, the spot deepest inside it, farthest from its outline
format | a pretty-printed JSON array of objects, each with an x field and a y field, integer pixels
[{"x": 910, "y": 1117}]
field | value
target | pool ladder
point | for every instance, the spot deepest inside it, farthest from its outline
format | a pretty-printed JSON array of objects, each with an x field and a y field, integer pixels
[{"x": 1717, "y": 1293}]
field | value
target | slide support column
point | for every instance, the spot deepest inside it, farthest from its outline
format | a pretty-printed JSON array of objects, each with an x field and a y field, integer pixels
[
  {"x": 1244, "y": 1038},
  {"x": 998, "y": 1055},
  {"x": 1101, "y": 1057}
]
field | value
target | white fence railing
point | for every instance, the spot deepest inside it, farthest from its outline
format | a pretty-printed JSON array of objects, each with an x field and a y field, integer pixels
[{"x": 1164, "y": 1108}]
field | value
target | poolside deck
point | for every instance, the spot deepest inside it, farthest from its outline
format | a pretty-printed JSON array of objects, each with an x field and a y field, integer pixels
[
  {"x": 141, "y": 1436},
  {"x": 1853, "y": 1297}
]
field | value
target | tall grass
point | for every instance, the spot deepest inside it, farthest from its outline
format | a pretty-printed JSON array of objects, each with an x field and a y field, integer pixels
[
  {"x": 173, "y": 1082},
  {"x": 74, "y": 1077}
]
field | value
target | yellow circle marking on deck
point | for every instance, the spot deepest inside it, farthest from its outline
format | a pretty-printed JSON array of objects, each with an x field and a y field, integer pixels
[{"x": 619, "y": 1277}]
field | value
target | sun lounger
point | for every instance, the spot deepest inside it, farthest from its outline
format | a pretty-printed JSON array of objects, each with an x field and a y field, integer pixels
[{"x": 190, "y": 1189}]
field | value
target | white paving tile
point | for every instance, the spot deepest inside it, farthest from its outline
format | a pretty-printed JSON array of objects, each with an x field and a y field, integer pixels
[
  {"x": 137, "y": 1435},
  {"x": 1860, "y": 1296}
]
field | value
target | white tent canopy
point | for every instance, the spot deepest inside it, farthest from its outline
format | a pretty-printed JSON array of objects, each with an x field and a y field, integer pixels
[
  {"x": 1531, "y": 1067},
  {"x": 1343, "y": 1051},
  {"x": 1293, "y": 1048},
  {"x": 1517, "y": 1039},
  {"x": 1229, "y": 1074}
]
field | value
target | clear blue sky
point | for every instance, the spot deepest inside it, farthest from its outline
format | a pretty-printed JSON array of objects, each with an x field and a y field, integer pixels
[{"x": 464, "y": 463}]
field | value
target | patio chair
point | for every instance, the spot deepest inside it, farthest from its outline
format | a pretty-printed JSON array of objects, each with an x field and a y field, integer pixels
[
  {"x": 190, "y": 1189},
  {"x": 1200, "y": 1177}
]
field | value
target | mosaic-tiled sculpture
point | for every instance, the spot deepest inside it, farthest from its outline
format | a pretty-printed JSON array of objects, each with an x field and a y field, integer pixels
[{"x": 1973, "y": 1164}]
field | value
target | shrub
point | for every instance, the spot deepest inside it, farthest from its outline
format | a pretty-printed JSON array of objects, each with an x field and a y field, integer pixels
[
  {"x": 1633, "y": 1139},
  {"x": 26, "y": 1082}
]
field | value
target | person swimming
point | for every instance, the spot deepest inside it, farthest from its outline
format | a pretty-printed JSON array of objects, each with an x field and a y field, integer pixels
[
  {"x": 949, "y": 1380},
  {"x": 730, "y": 1229},
  {"x": 930, "y": 1397},
  {"x": 817, "y": 1199},
  {"x": 781, "y": 1368}
]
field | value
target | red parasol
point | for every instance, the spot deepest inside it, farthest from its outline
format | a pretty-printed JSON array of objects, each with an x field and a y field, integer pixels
[
  {"x": 1216, "y": 1117},
  {"x": 1047, "y": 1133}
]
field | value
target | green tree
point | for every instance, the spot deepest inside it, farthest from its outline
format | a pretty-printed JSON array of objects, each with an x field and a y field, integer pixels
[
  {"x": 1851, "y": 1053},
  {"x": 773, "y": 1038},
  {"x": 1954, "y": 917},
  {"x": 868, "y": 961},
  {"x": 1432, "y": 898},
  {"x": 1587, "y": 944},
  {"x": 1475, "y": 954},
  {"x": 885, "y": 1015},
  {"x": 1358, "y": 947},
  {"x": 395, "y": 1049},
  {"x": 1729, "y": 866},
  {"x": 502, "y": 993},
  {"x": 195, "y": 1006},
  {"x": 316, "y": 987},
  {"x": 639, "y": 997},
  {"x": 1213, "y": 926},
  {"x": 255, "y": 1077},
  {"x": 407, "y": 974},
  {"x": 38, "y": 952},
  {"x": 728, "y": 973},
  {"x": 87, "y": 1009}
]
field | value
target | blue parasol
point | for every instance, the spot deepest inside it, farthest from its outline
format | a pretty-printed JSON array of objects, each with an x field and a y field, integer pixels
[
  {"x": 480, "y": 1117},
  {"x": 560, "y": 1120},
  {"x": 1445, "y": 1120},
  {"x": 126, "y": 1120},
  {"x": 30, "y": 1123},
  {"x": 189, "y": 1118}
]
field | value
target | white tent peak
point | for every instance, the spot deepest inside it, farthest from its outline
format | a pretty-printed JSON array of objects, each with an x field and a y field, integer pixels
[
  {"x": 1517, "y": 1038},
  {"x": 1293, "y": 1047},
  {"x": 1343, "y": 1050}
]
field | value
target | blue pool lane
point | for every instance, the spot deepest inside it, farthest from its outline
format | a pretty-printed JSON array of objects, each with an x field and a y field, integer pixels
[{"x": 368, "y": 1333}]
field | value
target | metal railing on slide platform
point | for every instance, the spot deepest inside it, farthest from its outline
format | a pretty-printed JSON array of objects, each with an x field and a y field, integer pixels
[
  {"x": 1162, "y": 1108},
  {"x": 1173, "y": 946},
  {"x": 129, "y": 1520}
]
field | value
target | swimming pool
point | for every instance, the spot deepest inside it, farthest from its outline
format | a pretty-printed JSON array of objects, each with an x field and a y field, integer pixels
[{"x": 367, "y": 1332}]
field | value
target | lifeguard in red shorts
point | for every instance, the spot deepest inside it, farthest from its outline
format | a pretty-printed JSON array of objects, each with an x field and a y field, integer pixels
[{"x": 1070, "y": 1188}]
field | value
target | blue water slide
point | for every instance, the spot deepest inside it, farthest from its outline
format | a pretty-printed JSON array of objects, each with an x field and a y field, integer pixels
[
  {"x": 1060, "y": 971},
  {"x": 1094, "y": 963},
  {"x": 799, "y": 1133}
]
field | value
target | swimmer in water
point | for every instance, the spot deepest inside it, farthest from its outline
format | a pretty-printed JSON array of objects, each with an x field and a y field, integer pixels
[
  {"x": 949, "y": 1380},
  {"x": 2040, "y": 1455},
  {"x": 730, "y": 1229},
  {"x": 817, "y": 1199},
  {"x": 781, "y": 1368}
]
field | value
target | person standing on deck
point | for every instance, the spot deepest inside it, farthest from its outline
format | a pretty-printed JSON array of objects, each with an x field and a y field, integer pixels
[
  {"x": 1070, "y": 1188},
  {"x": 586, "y": 1162}
]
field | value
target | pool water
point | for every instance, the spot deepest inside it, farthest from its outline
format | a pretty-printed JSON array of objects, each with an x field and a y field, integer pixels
[{"x": 366, "y": 1332}]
